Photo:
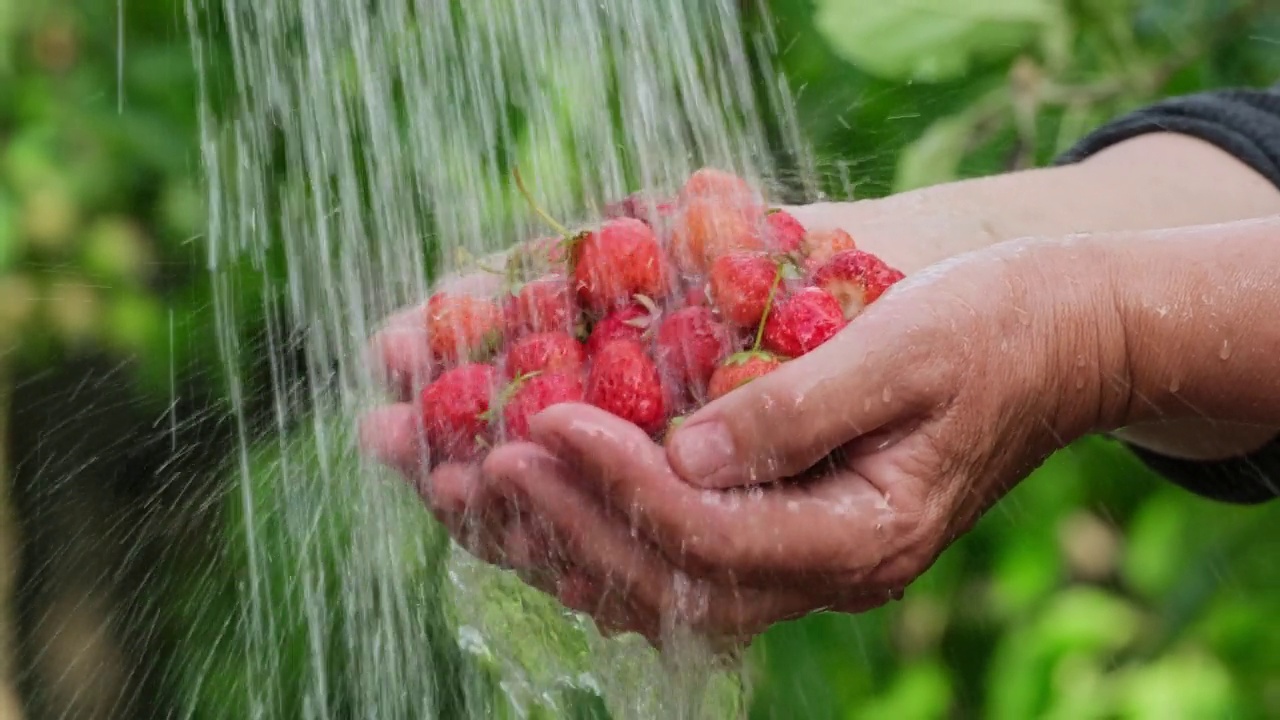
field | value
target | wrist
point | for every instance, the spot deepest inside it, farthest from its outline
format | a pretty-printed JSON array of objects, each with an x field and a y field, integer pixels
[
  {"x": 1196, "y": 306},
  {"x": 1079, "y": 342}
]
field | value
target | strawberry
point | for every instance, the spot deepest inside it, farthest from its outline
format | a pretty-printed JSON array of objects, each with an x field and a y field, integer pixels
[
  {"x": 544, "y": 352},
  {"x": 785, "y": 232},
  {"x": 739, "y": 369},
  {"x": 454, "y": 410},
  {"x": 652, "y": 211},
  {"x": 625, "y": 381},
  {"x": 462, "y": 327},
  {"x": 706, "y": 229},
  {"x": 856, "y": 279},
  {"x": 739, "y": 285},
  {"x": 621, "y": 259},
  {"x": 715, "y": 184},
  {"x": 802, "y": 321},
  {"x": 540, "y": 306},
  {"x": 819, "y": 246},
  {"x": 697, "y": 296},
  {"x": 689, "y": 344},
  {"x": 531, "y": 394},
  {"x": 633, "y": 322}
]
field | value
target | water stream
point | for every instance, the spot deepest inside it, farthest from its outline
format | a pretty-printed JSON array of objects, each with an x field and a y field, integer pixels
[{"x": 369, "y": 149}]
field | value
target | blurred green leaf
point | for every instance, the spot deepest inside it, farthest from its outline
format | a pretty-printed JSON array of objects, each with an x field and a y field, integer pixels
[
  {"x": 935, "y": 157},
  {"x": 930, "y": 40},
  {"x": 1185, "y": 685},
  {"x": 922, "y": 691}
]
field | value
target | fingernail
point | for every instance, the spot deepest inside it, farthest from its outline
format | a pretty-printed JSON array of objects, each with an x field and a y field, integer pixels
[{"x": 700, "y": 451}]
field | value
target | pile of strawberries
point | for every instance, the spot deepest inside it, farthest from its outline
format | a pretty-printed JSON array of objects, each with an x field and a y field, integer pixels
[{"x": 663, "y": 307}]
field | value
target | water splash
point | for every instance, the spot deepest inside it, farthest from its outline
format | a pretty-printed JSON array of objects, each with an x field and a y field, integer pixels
[{"x": 367, "y": 148}]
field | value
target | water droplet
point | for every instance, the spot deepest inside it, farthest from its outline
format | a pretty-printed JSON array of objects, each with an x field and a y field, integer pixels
[
  {"x": 1225, "y": 352},
  {"x": 1175, "y": 385},
  {"x": 1080, "y": 361},
  {"x": 886, "y": 395},
  {"x": 1080, "y": 382}
]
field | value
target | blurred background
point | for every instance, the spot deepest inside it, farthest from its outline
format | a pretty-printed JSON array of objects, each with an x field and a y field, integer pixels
[{"x": 1094, "y": 591}]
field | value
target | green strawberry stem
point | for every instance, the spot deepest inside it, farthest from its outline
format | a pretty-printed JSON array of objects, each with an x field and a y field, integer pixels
[
  {"x": 504, "y": 397},
  {"x": 768, "y": 306},
  {"x": 515, "y": 171}
]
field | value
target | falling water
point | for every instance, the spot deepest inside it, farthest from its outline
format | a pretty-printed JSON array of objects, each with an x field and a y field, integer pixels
[{"x": 364, "y": 149}]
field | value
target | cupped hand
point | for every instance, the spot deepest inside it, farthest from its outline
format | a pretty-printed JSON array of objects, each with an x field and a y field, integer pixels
[{"x": 829, "y": 484}]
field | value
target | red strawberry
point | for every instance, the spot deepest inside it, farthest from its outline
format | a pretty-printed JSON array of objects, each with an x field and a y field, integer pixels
[
  {"x": 625, "y": 381},
  {"x": 454, "y": 410},
  {"x": 697, "y": 296},
  {"x": 643, "y": 207},
  {"x": 819, "y": 246},
  {"x": 689, "y": 344},
  {"x": 715, "y": 184},
  {"x": 801, "y": 322},
  {"x": 786, "y": 234},
  {"x": 544, "y": 352},
  {"x": 739, "y": 369},
  {"x": 739, "y": 285},
  {"x": 462, "y": 327},
  {"x": 531, "y": 395},
  {"x": 621, "y": 259},
  {"x": 856, "y": 279},
  {"x": 541, "y": 306},
  {"x": 630, "y": 322},
  {"x": 706, "y": 229}
]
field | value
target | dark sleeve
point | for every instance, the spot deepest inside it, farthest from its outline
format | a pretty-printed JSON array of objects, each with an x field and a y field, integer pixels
[{"x": 1245, "y": 123}]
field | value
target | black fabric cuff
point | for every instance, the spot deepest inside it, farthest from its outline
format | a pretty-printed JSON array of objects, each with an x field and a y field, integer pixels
[{"x": 1246, "y": 124}]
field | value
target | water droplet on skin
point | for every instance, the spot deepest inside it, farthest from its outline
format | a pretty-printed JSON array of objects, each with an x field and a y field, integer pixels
[
  {"x": 887, "y": 395},
  {"x": 1080, "y": 383},
  {"x": 1225, "y": 352},
  {"x": 1080, "y": 361}
]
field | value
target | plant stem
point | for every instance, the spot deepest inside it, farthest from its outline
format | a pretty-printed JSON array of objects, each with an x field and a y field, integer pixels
[
  {"x": 768, "y": 306},
  {"x": 515, "y": 171}
]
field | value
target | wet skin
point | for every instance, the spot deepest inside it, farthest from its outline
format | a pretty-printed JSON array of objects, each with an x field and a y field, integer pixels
[{"x": 906, "y": 428}]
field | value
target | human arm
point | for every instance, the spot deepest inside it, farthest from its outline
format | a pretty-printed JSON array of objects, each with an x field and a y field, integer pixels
[
  {"x": 968, "y": 374},
  {"x": 1206, "y": 158}
]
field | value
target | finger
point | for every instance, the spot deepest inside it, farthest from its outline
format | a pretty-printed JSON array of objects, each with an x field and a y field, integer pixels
[
  {"x": 456, "y": 496},
  {"x": 399, "y": 354},
  {"x": 391, "y": 435},
  {"x": 605, "y": 548},
  {"x": 839, "y": 526},
  {"x": 783, "y": 423}
]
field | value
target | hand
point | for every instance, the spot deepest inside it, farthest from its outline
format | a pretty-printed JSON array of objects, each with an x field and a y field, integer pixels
[{"x": 923, "y": 412}]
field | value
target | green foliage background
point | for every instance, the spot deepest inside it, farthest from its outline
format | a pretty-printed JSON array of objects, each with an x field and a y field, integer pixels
[{"x": 1094, "y": 591}]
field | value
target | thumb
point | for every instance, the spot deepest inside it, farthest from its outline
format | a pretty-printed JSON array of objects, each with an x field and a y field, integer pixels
[{"x": 783, "y": 423}]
